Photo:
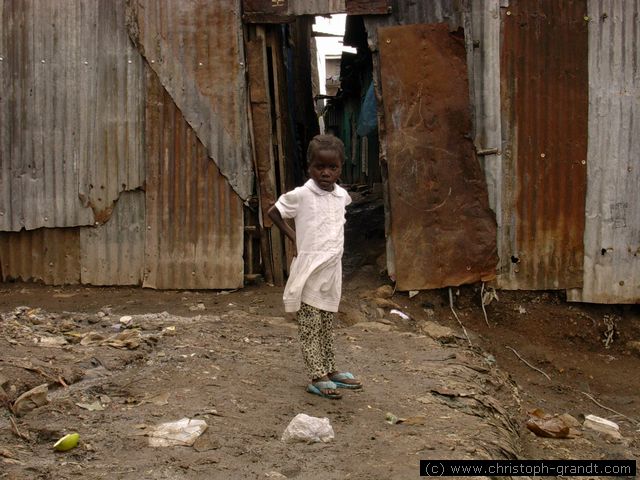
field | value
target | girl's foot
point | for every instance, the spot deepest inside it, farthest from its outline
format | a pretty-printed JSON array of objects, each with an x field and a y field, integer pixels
[
  {"x": 324, "y": 387},
  {"x": 344, "y": 380}
]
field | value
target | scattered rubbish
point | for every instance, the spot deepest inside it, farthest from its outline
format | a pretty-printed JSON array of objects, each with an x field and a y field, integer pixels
[
  {"x": 385, "y": 303},
  {"x": 610, "y": 321},
  {"x": 550, "y": 426},
  {"x": 413, "y": 293},
  {"x": 521, "y": 310},
  {"x": 34, "y": 398},
  {"x": 602, "y": 425},
  {"x": 91, "y": 339},
  {"x": 395, "y": 420},
  {"x": 50, "y": 341},
  {"x": 197, "y": 307},
  {"x": 126, "y": 320},
  {"x": 490, "y": 359},
  {"x": 171, "y": 330},
  {"x": 489, "y": 295},
  {"x": 129, "y": 339},
  {"x": 590, "y": 397},
  {"x": 67, "y": 442},
  {"x": 385, "y": 291},
  {"x": 92, "y": 407},
  {"x": 402, "y": 315},
  {"x": 158, "y": 400},
  {"x": 182, "y": 432},
  {"x": 391, "y": 418},
  {"x": 275, "y": 475},
  {"x": 304, "y": 428}
]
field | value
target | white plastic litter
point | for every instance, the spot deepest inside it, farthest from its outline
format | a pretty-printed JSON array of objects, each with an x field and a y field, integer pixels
[
  {"x": 183, "y": 432},
  {"x": 402, "y": 315},
  {"x": 602, "y": 425},
  {"x": 304, "y": 428},
  {"x": 413, "y": 293}
]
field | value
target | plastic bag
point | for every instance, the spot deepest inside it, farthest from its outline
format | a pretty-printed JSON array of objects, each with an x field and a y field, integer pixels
[
  {"x": 368, "y": 120},
  {"x": 304, "y": 428}
]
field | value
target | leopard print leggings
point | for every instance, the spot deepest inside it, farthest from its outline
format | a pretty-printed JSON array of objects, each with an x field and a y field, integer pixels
[{"x": 315, "y": 329}]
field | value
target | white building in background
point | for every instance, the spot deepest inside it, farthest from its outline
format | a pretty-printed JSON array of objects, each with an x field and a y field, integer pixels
[{"x": 329, "y": 52}]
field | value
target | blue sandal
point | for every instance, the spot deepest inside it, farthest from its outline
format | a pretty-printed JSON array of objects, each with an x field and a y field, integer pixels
[
  {"x": 317, "y": 387},
  {"x": 338, "y": 377}
]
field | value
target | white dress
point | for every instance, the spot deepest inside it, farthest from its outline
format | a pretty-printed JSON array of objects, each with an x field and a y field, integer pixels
[{"x": 315, "y": 276}]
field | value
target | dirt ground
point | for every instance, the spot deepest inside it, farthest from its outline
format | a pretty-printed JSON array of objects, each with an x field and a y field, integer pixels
[{"x": 232, "y": 360}]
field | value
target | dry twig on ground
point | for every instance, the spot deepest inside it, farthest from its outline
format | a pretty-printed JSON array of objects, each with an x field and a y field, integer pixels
[{"x": 527, "y": 363}]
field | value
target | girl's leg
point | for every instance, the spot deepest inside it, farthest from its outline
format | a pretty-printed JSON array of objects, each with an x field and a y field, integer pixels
[
  {"x": 310, "y": 326},
  {"x": 326, "y": 339}
]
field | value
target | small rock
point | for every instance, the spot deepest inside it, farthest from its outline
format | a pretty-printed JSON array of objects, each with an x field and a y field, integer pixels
[
  {"x": 275, "y": 475},
  {"x": 374, "y": 326},
  {"x": 436, "y": 331}
]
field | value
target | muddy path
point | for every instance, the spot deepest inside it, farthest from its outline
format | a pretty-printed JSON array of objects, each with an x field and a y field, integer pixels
[{"x": 232, "y": 360}]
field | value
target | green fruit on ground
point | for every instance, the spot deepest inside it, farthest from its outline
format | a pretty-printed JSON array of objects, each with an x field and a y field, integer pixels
[{"x": 67, "y": 442}]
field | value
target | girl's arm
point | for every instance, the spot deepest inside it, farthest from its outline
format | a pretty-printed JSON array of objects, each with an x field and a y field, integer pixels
[{"x": 274, "y": 214}]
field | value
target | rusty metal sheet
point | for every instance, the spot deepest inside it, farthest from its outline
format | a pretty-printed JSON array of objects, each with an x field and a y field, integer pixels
[
  {"x": 276, "y": 11},
  {"x": 612, "y": 230},
  {"x": 70, "y": 112},
  {"x": 196, "y": 50},
  {"x": 442, "y": 230},
  {"x": 195, "y": 226},
  {"x": 266, "y": 11},
  {"x": 113, "y": 253},
  {"x": 544, "y": 75},
  {"x": 368, "y": 7},
  {"x": 49, "y": 255}
]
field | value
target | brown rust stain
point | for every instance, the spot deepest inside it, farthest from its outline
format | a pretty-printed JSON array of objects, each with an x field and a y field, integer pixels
[
  {"x": 545, "y": 104},
  {"x": 442, "y": 229},
  {"x": 49, "y": 255},
  {"x": 194, "y": 218}
]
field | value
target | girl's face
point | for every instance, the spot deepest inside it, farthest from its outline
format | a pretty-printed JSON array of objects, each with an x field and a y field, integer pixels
[{"x": 325, "y": 169}]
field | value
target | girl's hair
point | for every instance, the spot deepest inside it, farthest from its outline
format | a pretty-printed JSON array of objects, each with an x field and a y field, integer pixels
[{"x": 325, "y": 142}]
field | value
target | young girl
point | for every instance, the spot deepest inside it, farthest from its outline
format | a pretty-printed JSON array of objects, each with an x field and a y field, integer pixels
[{"x": 315, "y": 280}]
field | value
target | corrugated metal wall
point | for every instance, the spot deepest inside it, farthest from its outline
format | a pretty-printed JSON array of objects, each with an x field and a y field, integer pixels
[
  {"x": 612, "y": 231},
  {"x": 73, "y": 152},
  {"x": 196, "y": 49},
  {"x": 194, "y": 235},
  {"x": 49, "y": 255},
  {"x": 113, "y": 253},
  {"x": 544, "y": 90},
  {"x": 71, "y": 112}
]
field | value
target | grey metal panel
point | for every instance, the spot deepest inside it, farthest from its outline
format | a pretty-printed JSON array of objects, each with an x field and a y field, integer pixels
[
  {"x": 485, "y": 82},
  {"x": 197, "y": 51},
  {"x": 195, "y": 224},
  {"x": 408, "y": 13},
  {"x": 316, "y": 7},
  {"x": 70, "y": 113},
  {"x": 612, "y": 229},
  {"x": 50, "y": 255},
  {"x": 113, "y": 253}
]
